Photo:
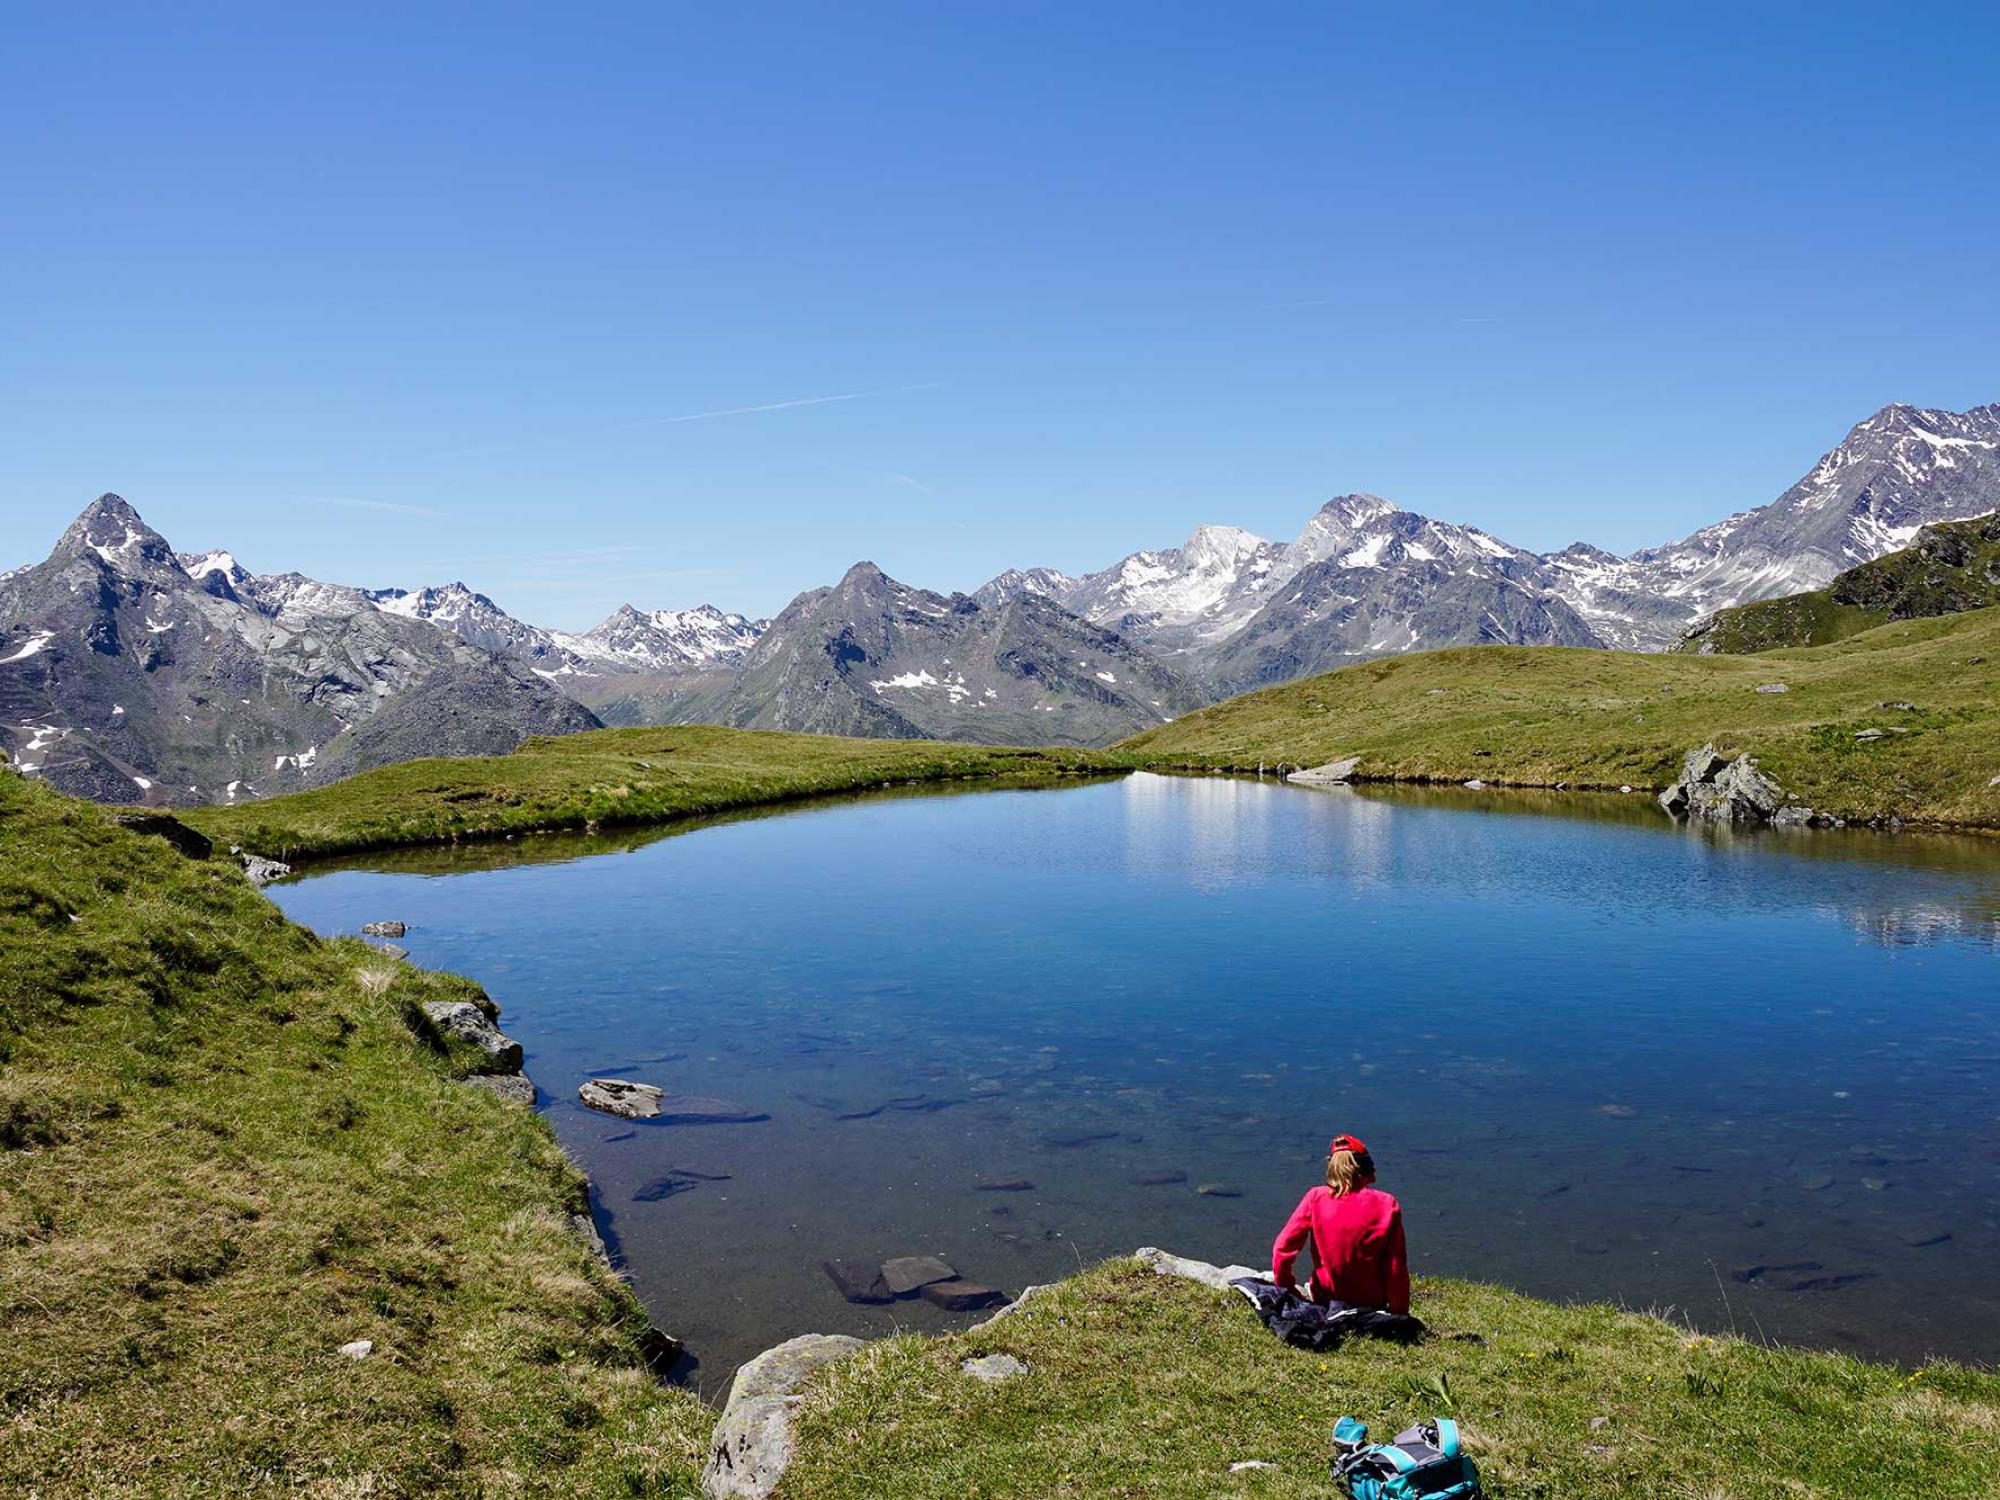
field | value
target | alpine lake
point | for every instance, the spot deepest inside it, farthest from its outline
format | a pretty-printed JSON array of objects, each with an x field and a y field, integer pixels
[{"x": 1751, "y": 1079}]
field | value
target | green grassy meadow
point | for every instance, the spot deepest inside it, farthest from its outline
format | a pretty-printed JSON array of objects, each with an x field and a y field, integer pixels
[{"x": 1542, "y": 716}]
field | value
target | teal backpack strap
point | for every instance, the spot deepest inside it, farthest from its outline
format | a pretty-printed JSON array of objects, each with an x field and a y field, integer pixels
[{"x": 1447, "y": 1437}]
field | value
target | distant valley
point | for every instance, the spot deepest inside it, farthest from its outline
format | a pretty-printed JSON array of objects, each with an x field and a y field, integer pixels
[{"x": 132, "y": 673}]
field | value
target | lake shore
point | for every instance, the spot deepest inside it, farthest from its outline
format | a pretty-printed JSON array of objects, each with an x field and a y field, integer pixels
[{"x": 234, "y": 1159}]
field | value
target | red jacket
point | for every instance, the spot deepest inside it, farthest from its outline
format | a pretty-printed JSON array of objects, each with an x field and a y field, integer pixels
[{"x": 1358, "y": 1253}]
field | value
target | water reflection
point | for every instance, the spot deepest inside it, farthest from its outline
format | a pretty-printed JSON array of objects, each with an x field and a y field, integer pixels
[{"x": 1599, "y": 1055}]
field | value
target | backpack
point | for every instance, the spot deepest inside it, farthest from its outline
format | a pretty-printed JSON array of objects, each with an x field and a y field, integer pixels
[{"x": 1423, "y": 1461}]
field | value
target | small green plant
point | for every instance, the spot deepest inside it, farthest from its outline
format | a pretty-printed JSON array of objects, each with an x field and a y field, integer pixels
[
  {"x": 1702, "y": 1384},
  {"x": 1429, "y": 1390}
]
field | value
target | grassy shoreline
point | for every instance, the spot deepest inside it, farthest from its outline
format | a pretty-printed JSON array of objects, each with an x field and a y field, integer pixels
[
  {"x": 227, "y": 1148},
  {"x": 1550, "y": 717}
]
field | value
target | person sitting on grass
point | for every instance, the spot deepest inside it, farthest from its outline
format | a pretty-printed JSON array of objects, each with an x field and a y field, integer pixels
[{"x": 1356, "y": 1231}]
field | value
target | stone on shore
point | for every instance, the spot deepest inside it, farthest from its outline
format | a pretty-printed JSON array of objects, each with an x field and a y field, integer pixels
[
  {"x": 1333, "y": 773},
  {"x": 468, "y": 1023},
  {"x": 1714, "y": 788},
  {"x": 753, "y": 1443},
  {"x": 264, "y": 871},
  {"x": 1218, "y": 1277},
  {"x": 515, "y": 1088},
  {"x": 383, "y": 929}
]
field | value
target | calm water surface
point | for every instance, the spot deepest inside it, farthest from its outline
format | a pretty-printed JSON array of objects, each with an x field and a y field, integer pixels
[{"x": 1597, "y": 1056}]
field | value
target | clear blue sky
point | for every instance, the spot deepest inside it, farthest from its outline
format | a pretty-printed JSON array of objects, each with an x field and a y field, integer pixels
[{"x": 394, "y": 294}]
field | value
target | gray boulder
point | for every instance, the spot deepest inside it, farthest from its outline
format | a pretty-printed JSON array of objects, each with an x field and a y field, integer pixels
[
  {"x": 516, "y": 1088},
  {"x": 383, "y": 929},
  {"x": 753, "y": 1443},
  {"x": 1333, "y": 773},
  {"x": 993, "y": 1368},
  {"x": 468, "y": 1023},
  {"x": 909, "y": 1273},
  {"x": 1713, "y": 788},
  {"x": 621, "y": 1097},
  {"x": 263, "y": 871}
]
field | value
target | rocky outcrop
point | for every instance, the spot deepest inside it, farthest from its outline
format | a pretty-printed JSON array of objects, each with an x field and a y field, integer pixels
[
  {"x": 1714, "y": 788},
  {"x": 1333, "y": 773},
  {"x": 466, "y": 1022},
  {"x": 753, "y": 1442},
  {"x": 1218, "y": 1277}
]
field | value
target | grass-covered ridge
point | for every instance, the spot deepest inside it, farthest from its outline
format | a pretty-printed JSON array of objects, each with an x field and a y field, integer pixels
[
  {"x": 1949, "y": 568},
  {"x": 1541, "y": 715},
  {"x": 225, "y": 1151},
  {"x": 605, "y": 779},
  {"x": 1145, "y": 1385}
]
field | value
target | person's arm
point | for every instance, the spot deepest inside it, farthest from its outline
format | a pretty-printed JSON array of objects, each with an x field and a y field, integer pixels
[
  {"x": 1291, "y": 1240},
  {"x": 1399, "y": 1265}
]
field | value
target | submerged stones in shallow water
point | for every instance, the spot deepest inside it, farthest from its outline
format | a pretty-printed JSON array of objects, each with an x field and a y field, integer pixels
[
  {"x": 1074, "y": 1139},
  {"x": 665, "y": 1186},
  {"x": 1218, "y": 1190},
  {"x": 910, "y": 1273},
  {"x": 959, "y": 1295},
  {"x": 858, "y": 1281},
  {"x": 1159, "y": 1179},
  {"x": 1011, "y": 1185},
  {"x": 1917, "y": 1236}
]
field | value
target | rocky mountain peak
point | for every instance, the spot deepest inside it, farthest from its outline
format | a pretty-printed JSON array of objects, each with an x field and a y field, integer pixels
[{"x": 112, "y": 532}]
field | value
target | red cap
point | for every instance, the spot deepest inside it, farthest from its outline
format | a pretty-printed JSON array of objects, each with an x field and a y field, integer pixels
[{"x": 1346, "y": 1142}]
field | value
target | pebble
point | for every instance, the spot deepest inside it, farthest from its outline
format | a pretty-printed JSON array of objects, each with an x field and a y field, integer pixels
[{"x": 360, "y": 1349}]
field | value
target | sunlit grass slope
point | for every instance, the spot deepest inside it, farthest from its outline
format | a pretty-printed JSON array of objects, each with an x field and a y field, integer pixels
[
  {"x": 225, "y": 1152},
  {"x": 1144, "y": 1385},
  {"x": 603, "y": 779},
  {"x": 1537, "y": 716}
]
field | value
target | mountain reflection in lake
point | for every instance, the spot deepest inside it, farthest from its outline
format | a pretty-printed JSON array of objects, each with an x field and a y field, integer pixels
[{"x": 1598, "y": 1056}]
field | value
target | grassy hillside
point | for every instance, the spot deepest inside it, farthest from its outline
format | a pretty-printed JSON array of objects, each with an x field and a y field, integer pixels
[
  {"x": 1144, "y": 1385},
  {"x": 611, "y": 778},
  {"x": 1951, "y": 567},
  {"x": 224, "y": 1153},
  {"x": 1538, "y": 716}
]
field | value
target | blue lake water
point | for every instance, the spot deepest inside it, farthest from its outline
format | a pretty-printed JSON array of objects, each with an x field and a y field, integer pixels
[{"x": 1596, "y": 1055}]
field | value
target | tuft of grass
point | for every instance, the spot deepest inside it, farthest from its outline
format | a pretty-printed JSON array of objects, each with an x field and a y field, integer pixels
[
  {"x": 1145, "y": 1385},
  {"x": 224, "y": 1153},
  {"x": 613, "y": 778},
  {"x": 1539, "y": 716}
]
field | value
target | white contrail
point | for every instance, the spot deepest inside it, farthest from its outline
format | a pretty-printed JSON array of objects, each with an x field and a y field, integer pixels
[{"x": 740, "y": 411}]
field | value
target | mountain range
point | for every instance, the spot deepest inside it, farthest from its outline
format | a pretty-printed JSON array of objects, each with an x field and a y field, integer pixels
[{"x": 132, "y": 673}]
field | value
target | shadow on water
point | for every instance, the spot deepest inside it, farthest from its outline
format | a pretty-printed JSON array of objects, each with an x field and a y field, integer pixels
[{"x": 1746, "y": 1077}]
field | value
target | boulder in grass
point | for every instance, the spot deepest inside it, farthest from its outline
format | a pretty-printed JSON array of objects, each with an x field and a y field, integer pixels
[
  {"x": 516, "y": 1088},
  {"x": 909, "y": 1273},
  {"x": 754, "y": 1441},
  {"x": 960, "y": 1295}
]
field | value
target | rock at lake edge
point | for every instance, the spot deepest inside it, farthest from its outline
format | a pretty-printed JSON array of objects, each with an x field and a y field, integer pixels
[
  {"x": 753, "y": 1443},
  {"x": 468, "y": 1023},
  {"x": 646, "y": 1101},
  {"x": 1713, "y": 788},
  {"x": 384, "y": 929},
  {"x": 910, "y": 1273},
  {"x": 515, "y": 1088}
]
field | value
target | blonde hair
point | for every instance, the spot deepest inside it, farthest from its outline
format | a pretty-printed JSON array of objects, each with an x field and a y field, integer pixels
[{"x": 1349, "y": 1172}]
